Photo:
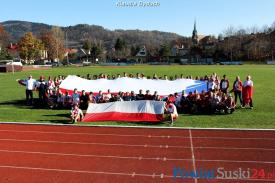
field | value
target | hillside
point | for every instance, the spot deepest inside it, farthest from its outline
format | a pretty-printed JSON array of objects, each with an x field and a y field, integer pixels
[{"x": 78, "y": 33}]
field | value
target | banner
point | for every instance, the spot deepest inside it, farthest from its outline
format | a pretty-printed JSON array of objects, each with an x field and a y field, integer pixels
[
  {"x": 125, "y": 84},
  {"x": 130, "y": 111}
]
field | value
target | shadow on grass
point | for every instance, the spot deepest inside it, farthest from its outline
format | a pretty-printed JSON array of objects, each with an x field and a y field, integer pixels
[
  {"x": 23, "y": 104},
  {"x": 60, "y": 121},
  {"x": 58, "y": 115},
  {"x": 205, "y": 114},
  {"x": 16, "y": 103},
  {"x": 63, "y": 121}
]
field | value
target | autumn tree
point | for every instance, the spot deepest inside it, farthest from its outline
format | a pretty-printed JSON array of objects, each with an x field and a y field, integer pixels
[
  {"x": 30, "y": 47},
  {"x": 151, "y": 50},
  {"x": 49, "y": 43},
  {"x": 58, "y": 35},
  {"x": 4, "y": 37},
  {"x": 54, "y": 43}
]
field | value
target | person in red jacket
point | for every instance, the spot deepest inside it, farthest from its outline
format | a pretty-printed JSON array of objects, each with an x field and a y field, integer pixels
[{"x": 237, "y": 89}]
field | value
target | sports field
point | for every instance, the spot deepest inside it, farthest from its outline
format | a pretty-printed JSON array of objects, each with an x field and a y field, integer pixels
[
  {"x": 12, "y": 106},
  {"x": 29, "y": 153}
]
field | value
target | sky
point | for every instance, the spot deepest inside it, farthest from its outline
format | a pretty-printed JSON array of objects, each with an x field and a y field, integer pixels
[{"x": 212, "y": 16}]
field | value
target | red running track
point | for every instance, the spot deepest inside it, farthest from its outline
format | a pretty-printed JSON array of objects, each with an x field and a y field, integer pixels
[{"x": 54, "y": 153}]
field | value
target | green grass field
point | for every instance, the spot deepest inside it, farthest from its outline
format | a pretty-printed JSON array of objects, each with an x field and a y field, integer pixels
[{"x": 12, "y": 96}]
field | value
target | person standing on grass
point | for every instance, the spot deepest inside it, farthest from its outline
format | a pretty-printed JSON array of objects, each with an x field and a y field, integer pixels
[
  {"x": 237, "y": 89},
  {"x": 83, "y": 100},
  {"x": 211, "y": 84},
  {"x": 42, "y": 89},
  {"x": 67, "y": 100},
  {"x": 224, "y": 85},
  {"x": 30, "y": 86},
  {"x": 248, "y": 92}
]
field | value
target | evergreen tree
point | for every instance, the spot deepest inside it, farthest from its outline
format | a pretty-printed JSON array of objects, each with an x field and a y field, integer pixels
[{"x": 165, "y": 51}]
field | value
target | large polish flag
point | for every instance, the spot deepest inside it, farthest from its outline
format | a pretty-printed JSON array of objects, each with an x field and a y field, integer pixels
[
  {"x": 125, "y": 84},
  {"x": 131, "y": 111}
]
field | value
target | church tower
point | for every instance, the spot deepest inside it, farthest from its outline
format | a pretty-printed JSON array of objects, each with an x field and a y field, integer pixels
[{"x": 195, "y": 35}]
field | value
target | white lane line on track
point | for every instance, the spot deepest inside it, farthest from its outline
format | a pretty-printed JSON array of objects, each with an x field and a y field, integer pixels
[
  {"x": 137, "y": 145},
  {"x": 137, "y": 135},
  {"x": 80, "y": 171},
  {"x": 96, "y": 143},
  {"x": 193, "y": 156},
  {"x": 115, "y": 173},
  {"x": 237, "y": 148},
  {"x": 236, "y": 161},
  {"x": 78, "y": 133},
  {"x": 80, "y": 125},
  {"x": 234, "y": 138},
  {"x": 130, "y": 157}
]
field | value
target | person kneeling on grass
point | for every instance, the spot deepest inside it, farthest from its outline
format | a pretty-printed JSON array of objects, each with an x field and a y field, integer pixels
[
  {"x": 227, "y": 105},
  {"x": 230, "y": 104},
  {"x": 171, "y": 110},
  {"x": 76, "y": 114}
]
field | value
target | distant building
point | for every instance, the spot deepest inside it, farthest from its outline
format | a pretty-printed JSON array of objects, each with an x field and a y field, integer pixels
[
  {"x": 141, "y": 56},
  {"x": 70, "y": 51},
  {"x": 179, "y": 51},
  {"x": 208, "y": 42},
  {"x": 196, "y": 38},
  {"x": 142, "y": 52},
  {"x": 13, "y": 50}
]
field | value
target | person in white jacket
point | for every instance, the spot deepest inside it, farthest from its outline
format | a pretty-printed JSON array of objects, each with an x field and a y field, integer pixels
[{"x": 30, "y": 86}]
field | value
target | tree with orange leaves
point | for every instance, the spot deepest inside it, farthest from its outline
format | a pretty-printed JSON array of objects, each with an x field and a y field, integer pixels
[
  {"x": 4, "y": 37},
  {"x": 30, "y": 47}
]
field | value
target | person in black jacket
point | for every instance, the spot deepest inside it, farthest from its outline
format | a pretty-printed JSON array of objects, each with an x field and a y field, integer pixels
[
  {"x": 42, "y": 89},
  {"x": 224, "y": 84}
]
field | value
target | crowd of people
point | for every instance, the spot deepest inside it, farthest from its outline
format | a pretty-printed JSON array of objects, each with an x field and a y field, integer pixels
[{"x": 217, "y": 98}]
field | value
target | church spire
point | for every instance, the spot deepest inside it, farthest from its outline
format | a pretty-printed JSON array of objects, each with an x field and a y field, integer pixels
[
  {"x": 195, "y": 29},
  {"x": 195, "y": 34}
]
